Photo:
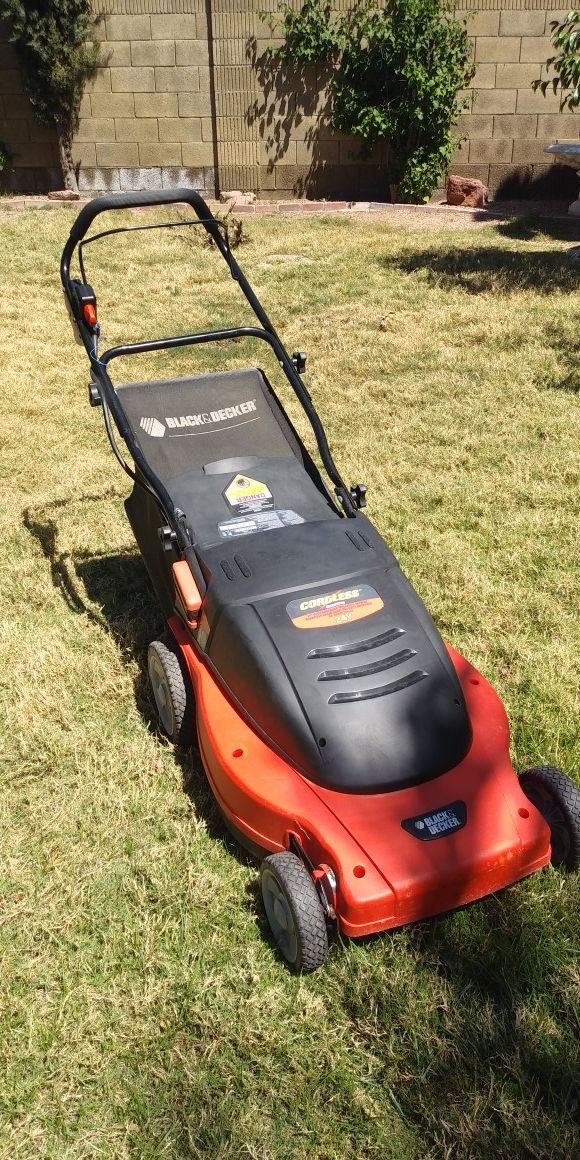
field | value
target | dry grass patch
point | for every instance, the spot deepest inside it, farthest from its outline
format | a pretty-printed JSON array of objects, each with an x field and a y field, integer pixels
[{"x": 144, "y": 1012}]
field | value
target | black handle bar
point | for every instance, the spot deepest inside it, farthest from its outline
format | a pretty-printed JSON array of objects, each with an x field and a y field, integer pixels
[
  {"x": 135, "y": 201},
  {"x": 213, "y": 227}
]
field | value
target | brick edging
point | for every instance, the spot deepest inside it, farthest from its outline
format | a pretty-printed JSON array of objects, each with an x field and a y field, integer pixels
[{"x": 300, "y": 206}]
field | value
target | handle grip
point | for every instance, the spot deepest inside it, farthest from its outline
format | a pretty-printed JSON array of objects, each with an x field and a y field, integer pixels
[{"x": 134, "y": 201}]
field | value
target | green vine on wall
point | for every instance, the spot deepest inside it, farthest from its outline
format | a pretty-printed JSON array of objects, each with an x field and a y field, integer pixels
[
  {"x": 566, "y": 63},
  {"x": 398, "y": 72}
]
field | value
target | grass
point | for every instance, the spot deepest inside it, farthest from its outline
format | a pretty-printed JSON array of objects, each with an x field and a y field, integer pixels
[{"x": 144, "y": 1013}]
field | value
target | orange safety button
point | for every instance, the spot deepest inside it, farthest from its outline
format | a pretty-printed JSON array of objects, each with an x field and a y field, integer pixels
[
  {"x": 186, "y": 588},
  {"x": 90, "y": 314}
]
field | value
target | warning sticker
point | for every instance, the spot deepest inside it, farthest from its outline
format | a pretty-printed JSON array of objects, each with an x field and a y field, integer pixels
[
  {"x": 260, "y": 522},
  {"x": 332, "y": 608},
  {"x": 246, "y": 495}
]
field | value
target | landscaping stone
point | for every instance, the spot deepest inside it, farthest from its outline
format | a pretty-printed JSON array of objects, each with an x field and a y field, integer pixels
[
  {"x": 63, "y": 195},
  {"x": 466, "y": 191},
  {"x": 238, "y": 198}
]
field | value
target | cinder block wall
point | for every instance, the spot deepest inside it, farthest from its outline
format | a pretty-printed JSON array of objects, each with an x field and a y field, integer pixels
[
  {"x": 186, "y": 94},
  {"x": 146, "y": 116},
  {"x": 273, "y": 121},
  {"x": 507, "y": 125}
]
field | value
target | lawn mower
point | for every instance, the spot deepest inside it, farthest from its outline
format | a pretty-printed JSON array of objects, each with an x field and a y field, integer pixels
[{"x": 361, "y": 758}]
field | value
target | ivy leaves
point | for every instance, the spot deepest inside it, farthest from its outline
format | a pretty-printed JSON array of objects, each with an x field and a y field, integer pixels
[
  {"x": 398, "y": 71},
  {"x": 56, "y": 44},
  {"x": 566, "y": 64}
]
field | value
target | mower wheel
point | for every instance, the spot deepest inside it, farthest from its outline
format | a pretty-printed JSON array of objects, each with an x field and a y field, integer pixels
[
  {"x": 172, "y": 690},
  {"x": 294, "y": 911},
  {"x": 557, "y": 798}
]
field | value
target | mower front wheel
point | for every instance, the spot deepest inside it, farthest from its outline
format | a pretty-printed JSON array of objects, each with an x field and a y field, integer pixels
[
  {"x": 557, "y": 798},
  {"x": 172, "y": 690},
  {"x": 294, "y": 911}
]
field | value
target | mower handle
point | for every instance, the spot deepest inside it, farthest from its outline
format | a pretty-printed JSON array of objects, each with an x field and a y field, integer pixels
[
  {"x": 99, "y": 370},
  {"x": 135, "y": 201}
]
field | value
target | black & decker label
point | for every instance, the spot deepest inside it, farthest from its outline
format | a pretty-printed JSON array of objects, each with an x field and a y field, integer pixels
[
  {"x": 342, "y": 606},
  {"x": 438, "y": 823}
]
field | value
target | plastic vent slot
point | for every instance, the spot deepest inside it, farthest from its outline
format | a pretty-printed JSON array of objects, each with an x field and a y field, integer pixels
[
  {"x": 345, "y": 650},
  {"x": 368, "y": 670},
  {"x": 380, "y": 691}
]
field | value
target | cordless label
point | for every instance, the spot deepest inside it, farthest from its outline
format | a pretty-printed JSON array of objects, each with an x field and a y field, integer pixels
[
  {"x": 333, "y": 608},
  {"x": 245, "y": 496}
]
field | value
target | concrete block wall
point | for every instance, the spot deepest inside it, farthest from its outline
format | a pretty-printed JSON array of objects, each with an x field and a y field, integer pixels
[
  {"x": 506, "y": 125},
  {"x": 146, "y": 116},
  {"x": 274, "y": 130},
  {"x": 186, "y": 94}
]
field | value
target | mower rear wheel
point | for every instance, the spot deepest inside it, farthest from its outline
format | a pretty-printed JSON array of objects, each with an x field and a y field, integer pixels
[
  {"x": 557, "y": 798},
  {"x": 172, "y": 690},
  {"x": 294, "y": 911}
]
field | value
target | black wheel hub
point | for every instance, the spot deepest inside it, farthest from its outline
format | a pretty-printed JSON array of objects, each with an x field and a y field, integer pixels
[{"x": 280, "y": 917}]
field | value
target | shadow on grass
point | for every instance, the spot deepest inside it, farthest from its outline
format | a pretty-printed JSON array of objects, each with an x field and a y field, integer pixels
[
  {"x": 115, "y": 593},
  {"x": 490, "y": 269},
  {"x": 526, "y": 227},
  {"x": 567, "y": 348},
  {"x": 508, "y": 968},
  {"x": 494, "y": 1072}
]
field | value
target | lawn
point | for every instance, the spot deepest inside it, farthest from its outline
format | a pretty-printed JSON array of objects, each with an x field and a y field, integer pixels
[{"x": 144, "y": 1014}]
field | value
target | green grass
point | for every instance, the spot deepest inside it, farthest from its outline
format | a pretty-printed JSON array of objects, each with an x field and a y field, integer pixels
[{"x": 143, "y": 1011}]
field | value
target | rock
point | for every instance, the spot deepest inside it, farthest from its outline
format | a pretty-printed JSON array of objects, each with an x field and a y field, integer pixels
[
  {"x": 238, "y": 198},
  {"x": 63, "y": 195},
  {"x": 573, "y": 255},
  {"x": 466, "y": 191}
]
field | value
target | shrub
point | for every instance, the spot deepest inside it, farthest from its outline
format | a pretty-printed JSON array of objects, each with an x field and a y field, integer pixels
[
  {"x": 57, "y": 49},
  {"x": 398, "y": 69}
]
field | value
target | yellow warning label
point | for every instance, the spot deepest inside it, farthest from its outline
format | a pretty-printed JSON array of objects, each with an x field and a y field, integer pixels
[{"x": 244, "y": 494}]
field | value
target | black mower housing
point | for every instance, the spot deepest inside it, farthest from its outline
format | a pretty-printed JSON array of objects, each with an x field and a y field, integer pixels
[{"x": 307, "y": 621}]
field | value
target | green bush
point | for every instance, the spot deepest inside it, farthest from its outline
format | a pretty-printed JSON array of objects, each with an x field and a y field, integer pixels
[
  {"x": 57, "y": 49},
  {"x": 398, "y": 69},
  {"x": 566, "y": 63}
]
